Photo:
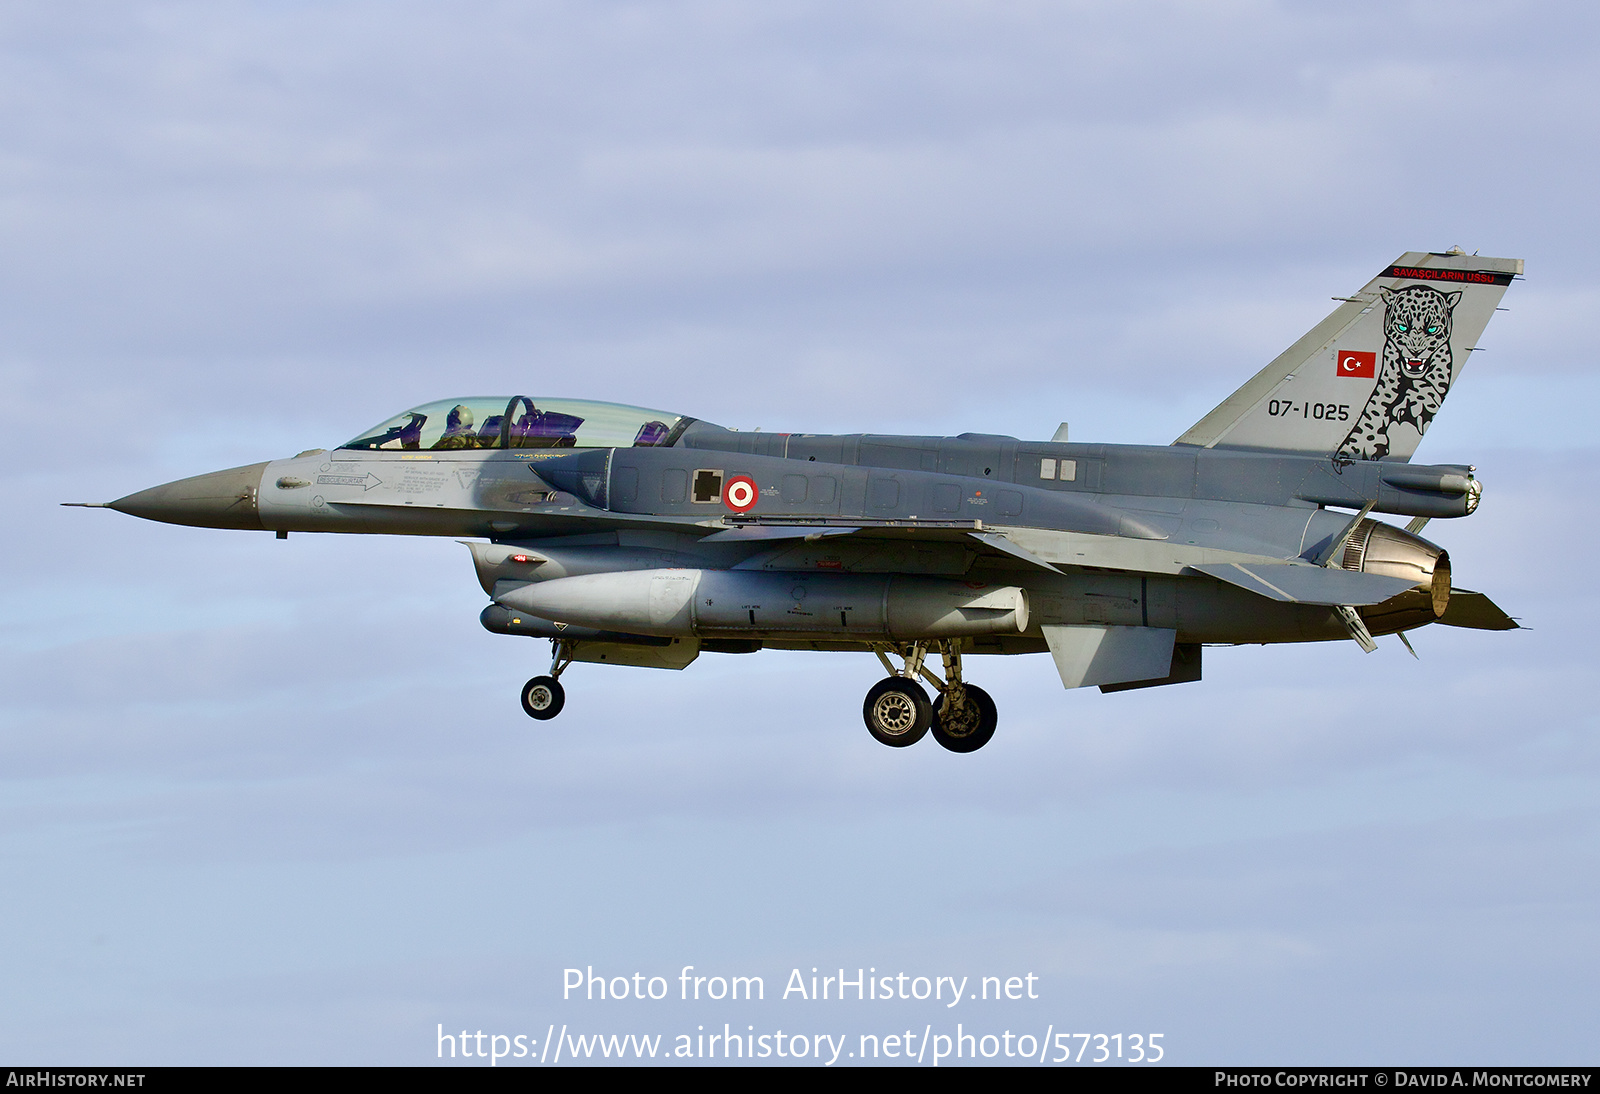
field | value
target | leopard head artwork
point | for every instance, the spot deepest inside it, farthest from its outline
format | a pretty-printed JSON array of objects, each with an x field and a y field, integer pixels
[
  {"x": 1416, "y": 326},
  {"x": 1416, "y": 371}
]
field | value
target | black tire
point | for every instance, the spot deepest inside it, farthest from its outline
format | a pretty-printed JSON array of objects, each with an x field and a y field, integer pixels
[
  {"x": 543, "y": 697},
  {"x": 975, "y": 727},
  {"x": 897, "y": 712}
]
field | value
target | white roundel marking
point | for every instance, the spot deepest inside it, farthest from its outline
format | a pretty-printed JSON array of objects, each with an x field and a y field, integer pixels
[{"x": 740, "y": 493}]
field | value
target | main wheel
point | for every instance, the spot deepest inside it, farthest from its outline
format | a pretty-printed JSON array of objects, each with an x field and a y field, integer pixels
[
  {"x": 543, "y": 697},
  {"x": 970, "y": 728},
  {"x": 897, "y": 712}
]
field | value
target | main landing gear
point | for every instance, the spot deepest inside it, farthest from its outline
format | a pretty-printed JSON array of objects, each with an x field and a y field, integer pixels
[
  {"x": 543, "y": 696},
  {"x": 898, "y": 713}
]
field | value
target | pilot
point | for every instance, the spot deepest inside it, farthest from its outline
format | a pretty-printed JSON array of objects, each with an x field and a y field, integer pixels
[{"x": 458, "y": 429}]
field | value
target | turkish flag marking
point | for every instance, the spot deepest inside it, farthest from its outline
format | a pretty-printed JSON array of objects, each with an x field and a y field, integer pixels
[{"x": 1354, "y": 362}]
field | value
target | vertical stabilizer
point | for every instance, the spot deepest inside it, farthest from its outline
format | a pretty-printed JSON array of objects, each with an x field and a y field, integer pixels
[{"x": 1367, "y": 381}]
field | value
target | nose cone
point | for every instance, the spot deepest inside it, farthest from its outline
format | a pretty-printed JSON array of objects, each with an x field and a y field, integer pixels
[{"x": 222, "y": 499}]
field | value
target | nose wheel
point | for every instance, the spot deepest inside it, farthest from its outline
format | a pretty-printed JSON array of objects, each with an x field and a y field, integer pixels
[
  {"x": 543, "y": 696},
  {"x": 897, "y": 711}
]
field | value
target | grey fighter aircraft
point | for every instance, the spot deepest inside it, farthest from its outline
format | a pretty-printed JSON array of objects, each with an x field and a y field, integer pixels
[{"x": 640, "y": 537}]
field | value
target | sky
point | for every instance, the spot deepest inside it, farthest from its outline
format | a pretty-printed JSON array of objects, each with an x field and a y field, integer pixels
[{"x": 275, "y": 802}]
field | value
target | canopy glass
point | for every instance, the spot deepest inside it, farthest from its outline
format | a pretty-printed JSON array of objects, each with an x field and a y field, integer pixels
[{"x": 494, "y": 421}]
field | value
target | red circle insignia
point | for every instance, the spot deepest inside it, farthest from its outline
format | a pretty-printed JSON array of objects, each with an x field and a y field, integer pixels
[{"x": 740, "y": 493}]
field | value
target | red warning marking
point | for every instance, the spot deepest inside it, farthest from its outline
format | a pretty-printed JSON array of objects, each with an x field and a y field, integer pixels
[
  {"x": 1354, "y": 362},
  {"x": 740, "y": 493}
]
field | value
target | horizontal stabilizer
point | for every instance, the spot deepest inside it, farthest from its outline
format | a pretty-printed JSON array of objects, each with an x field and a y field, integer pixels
[
  {"x": 1307, "y": 584},
  {"x": 1476, "y": 612},
  {"x": 1109, "y": 655}
]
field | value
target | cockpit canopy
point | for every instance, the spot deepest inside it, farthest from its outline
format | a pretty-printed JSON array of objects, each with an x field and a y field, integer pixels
[{"x": 522, "y": 422}]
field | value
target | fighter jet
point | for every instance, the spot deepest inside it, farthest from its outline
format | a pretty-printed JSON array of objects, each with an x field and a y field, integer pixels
[{"x": 629, "y": 536}]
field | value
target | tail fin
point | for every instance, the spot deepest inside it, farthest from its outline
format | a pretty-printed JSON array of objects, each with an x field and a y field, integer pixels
[{"x": 1367, "y": 381}]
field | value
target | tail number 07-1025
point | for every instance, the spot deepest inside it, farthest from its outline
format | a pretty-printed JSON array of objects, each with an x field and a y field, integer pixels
[{"x": 1322, "y": 412}]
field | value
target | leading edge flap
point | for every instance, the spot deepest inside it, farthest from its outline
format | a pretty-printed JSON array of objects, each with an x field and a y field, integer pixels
[{"x": 1368, "y": 380}]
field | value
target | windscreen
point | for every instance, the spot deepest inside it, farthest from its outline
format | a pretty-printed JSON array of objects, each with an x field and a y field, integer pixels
[{"x": 522, "y": 421}]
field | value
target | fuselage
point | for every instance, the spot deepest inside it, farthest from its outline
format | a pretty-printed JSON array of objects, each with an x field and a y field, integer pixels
[{"x": 1122, "y": 526}]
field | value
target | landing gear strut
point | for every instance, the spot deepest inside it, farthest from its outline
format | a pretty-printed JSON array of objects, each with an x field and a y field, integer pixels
[
  {"x": 543, "y": 696},
  {"x": 897, "y": 711}
]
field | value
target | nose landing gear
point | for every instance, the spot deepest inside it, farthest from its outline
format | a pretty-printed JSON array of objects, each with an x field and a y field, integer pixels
[
  {"x": 897, "y": 711},
  {"x": 543, "y": 696}
]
